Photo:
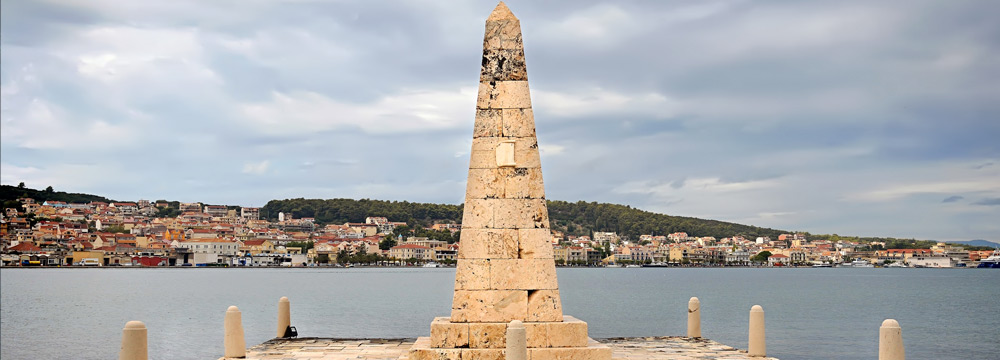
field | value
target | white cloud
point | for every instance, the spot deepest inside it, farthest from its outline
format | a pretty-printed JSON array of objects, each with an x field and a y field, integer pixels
[
  {"x": 694, "y": 185},
  {"x": 987, "y": 184},
  {"x": 847, "y": 198},
  {"x": 604, "y": 25},
  {"x": 42, "y": 125},
  {"x": 257, "y": 168},
  {"x": 121, "y": 53},
  {"x": 551, "y": 149},
  {"x": 62, "y": 176},
  {"x": 598, "y": 101},
  {"x": 415, "y": 110}
]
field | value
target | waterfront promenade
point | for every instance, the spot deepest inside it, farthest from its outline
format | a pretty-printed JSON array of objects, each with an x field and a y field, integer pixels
[{"x": 635, "y": 348}]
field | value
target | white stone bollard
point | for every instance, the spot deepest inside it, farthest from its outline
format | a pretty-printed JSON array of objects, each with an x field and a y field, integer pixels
[
  {"x": 890, "y": 341},
  {"x": 694, "y": 318},
  {"x": 757, "y": 346},
  {"x": 284, "y": 316},
  {"x": 517, "y": 341},
  {"x": 134, "y": 343},
  {"x": 236, "y": 344}
]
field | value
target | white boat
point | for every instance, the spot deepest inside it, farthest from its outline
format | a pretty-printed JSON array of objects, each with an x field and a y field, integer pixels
[
  {"x": 613, "y": 265},
  {"x": 992, "y": 262},
  {"x": 861, "y": 263},
  {"x": 898, "y": 264},
  {"x": 633, "y": 266},
  {"x": 432, "y": 265}
]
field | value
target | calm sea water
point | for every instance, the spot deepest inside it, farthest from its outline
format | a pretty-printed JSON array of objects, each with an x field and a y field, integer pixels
[{"x": 811, "y": 313}]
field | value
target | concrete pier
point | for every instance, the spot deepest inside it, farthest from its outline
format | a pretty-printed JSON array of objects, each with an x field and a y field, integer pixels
[{"x": 642, "y": 348}]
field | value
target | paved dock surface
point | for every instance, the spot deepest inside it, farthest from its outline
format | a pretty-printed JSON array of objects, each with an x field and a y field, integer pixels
[{"x": 660, "y": 347}]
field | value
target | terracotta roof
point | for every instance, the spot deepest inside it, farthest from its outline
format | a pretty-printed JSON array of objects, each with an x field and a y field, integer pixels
[
  {"x": 219, "y": 240},
  {"x": 25, "y": 246},
  {"x": 410, "y": 246}
]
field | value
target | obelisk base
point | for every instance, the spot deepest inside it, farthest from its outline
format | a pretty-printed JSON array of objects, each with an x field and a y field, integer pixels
[{"x": 565, "y": 340}]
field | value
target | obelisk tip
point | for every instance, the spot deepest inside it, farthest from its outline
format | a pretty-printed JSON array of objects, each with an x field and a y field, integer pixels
[{"x": 501, "y": 12}]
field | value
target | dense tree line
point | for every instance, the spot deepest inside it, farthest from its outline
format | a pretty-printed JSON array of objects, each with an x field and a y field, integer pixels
[
  {"x": 582, "y": 218},
  {"x": 9, "y": 195},
  {"x": 339, "y": 211},
  {"x": 579, "y": 218}
]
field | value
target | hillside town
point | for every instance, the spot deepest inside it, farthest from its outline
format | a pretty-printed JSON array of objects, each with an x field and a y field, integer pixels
[{"x": 54, "y": 233}]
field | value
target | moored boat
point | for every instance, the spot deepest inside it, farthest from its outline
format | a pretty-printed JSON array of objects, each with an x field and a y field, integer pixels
[{"x": 992, "y": 262}]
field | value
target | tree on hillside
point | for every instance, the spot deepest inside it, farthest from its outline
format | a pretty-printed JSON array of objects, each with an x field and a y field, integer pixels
[
  {"x": 761, "y": 257},
  {"x": 387, "y": 242},
  {"x": 20, "y": 185}
]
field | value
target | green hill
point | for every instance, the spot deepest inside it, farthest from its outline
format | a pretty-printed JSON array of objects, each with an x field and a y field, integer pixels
[
  {"x": 579, "y": 218},
  {"x": 9, "y": 195}
]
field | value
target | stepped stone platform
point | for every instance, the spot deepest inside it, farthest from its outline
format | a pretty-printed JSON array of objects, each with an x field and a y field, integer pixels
[{"x": 641, "y": 348}]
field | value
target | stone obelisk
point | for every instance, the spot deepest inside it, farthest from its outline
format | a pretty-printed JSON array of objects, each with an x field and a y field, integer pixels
[{"x": 506, "y": 270}]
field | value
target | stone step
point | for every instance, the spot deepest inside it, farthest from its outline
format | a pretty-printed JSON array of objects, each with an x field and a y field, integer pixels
[
  {"x": 571, "y": 332},
  {"x": 422, "y": 350}
]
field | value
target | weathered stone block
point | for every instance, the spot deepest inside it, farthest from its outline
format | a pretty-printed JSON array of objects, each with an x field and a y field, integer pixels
[
  {"x": 477, "y": 214},
  {"x": 422, "y": 350},
  {"x": 545, "y": 305},
  {"x": 569, "y": 333},
  {"x": 491, "y": 39},
  {"x": 503, "y": 95},
  {"x": 516, "y": 123},
  {"x": 536, "y": 214},
  {"x": 510, "y": 35},
  {"x": 448, "y": 335},
  {"x": 472, "y": 274},
  {"x": 483, "y": 159},
  {"x": 503, "y": 65},
  {"x": 508, "y": 214},
  {"x": 485, "y": 184},
  {"x": 518, "y": 213},
  {"x": 591, "y": 352},
  {"x": 523, "y": 274},
  {"x": 489, "y": 305},
  {"x": 486, "y": 143},
  {"x": 522, "y": 183},
  {"x": 526, "y": 153},
  {"x": 483, "y": 354},
  {"x": 488, "y": 244},
  {"x": 489, "y": 123},
  {"x": 534, "y": 244},
  {"x": 487, "y": 335}
]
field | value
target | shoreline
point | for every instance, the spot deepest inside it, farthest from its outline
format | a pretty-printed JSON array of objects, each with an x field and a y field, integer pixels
[{"x": 448, "y": 267}]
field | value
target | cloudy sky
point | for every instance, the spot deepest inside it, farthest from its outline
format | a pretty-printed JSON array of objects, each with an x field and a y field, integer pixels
[{"x": 850, "y": 117}]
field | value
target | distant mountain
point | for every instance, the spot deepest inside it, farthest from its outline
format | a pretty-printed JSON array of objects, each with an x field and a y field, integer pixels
[{"x": 979, "y": 242}]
